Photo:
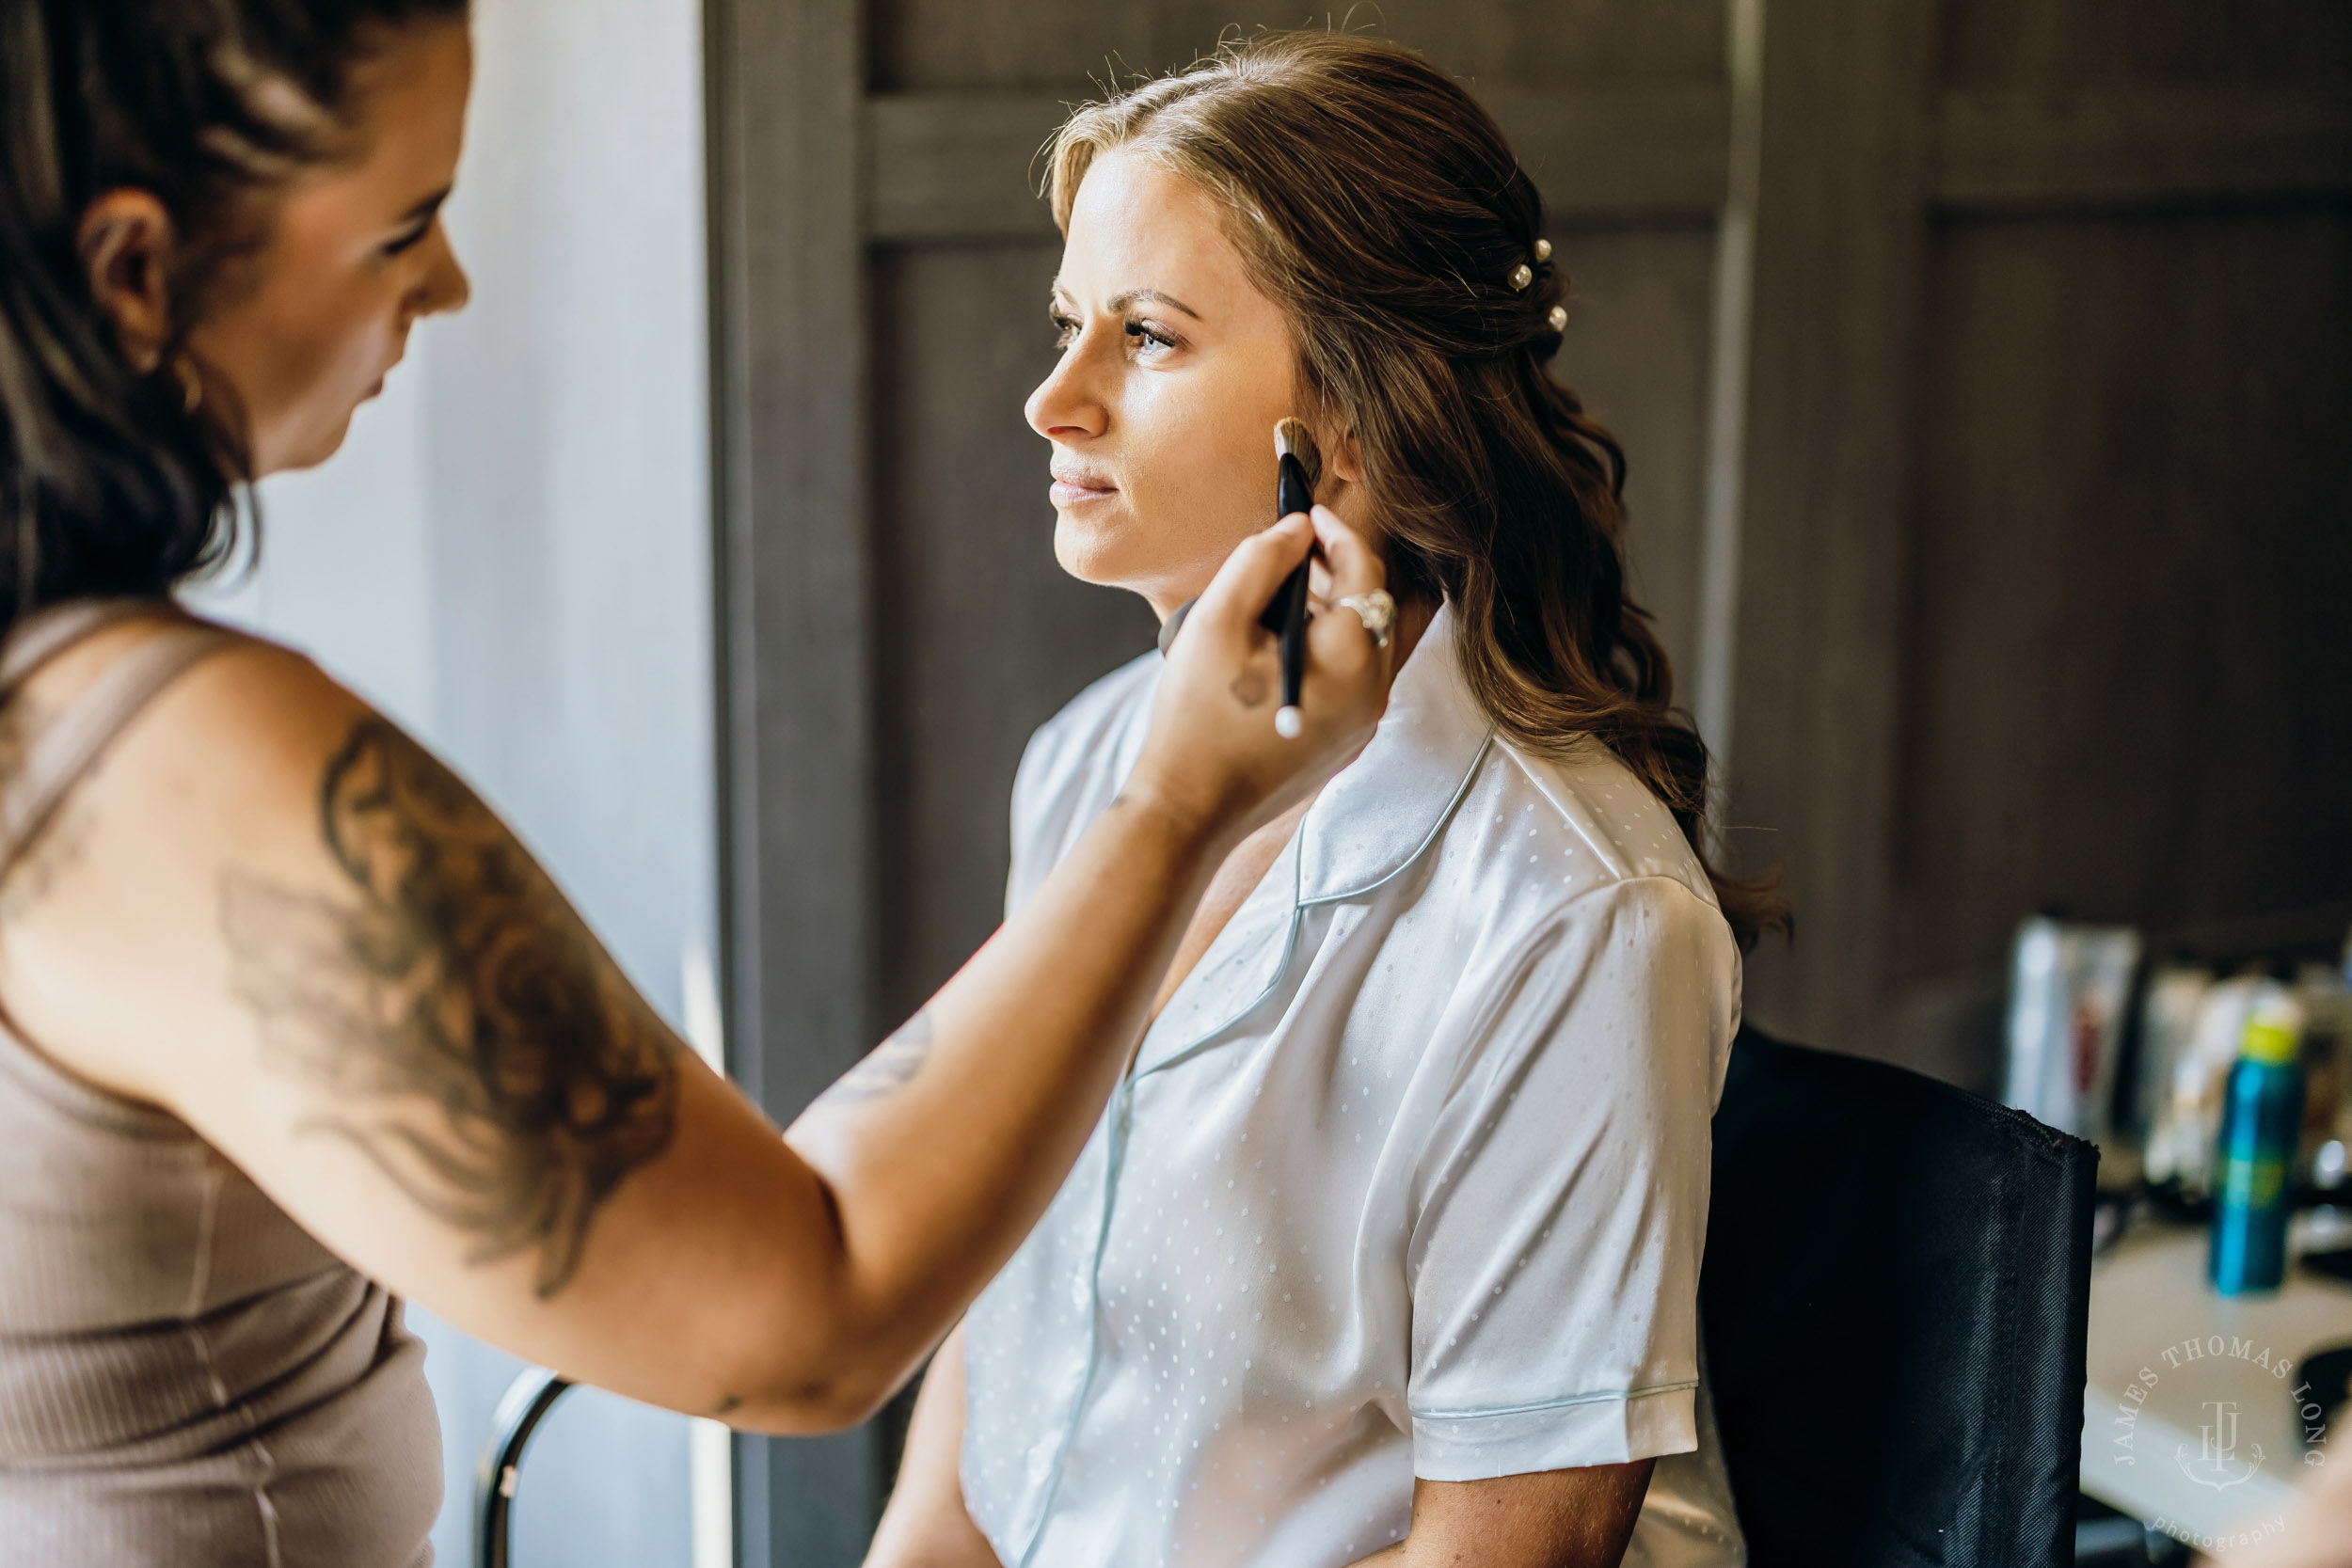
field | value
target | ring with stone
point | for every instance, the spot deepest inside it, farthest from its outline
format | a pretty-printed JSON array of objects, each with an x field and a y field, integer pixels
[{"x": 1377, "y": 610}]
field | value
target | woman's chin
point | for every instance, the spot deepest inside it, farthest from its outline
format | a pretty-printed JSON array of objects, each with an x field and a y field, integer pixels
[
  {"x": 1109, "y": 557},
  {"x": 1099, "y": 552}
]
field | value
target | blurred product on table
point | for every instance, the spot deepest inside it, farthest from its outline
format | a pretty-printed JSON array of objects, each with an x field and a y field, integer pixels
[
  {"x": 2327, "y": 1070},
  {"x": 2141, "y": 1065},
  {"x": 2188, "y": 1032},
  {"x": 2262, "y": 1128},
  {"x": 2181, "y": 1141},
  {"x": 2171, "y": 1012},
  {"x": 2069, "y": 987}
]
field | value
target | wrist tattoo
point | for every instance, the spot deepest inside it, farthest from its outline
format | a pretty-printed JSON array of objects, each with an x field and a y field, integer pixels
[
  {"x": 468, "y": 1035},
  {"x": 1249, "y": 689}
]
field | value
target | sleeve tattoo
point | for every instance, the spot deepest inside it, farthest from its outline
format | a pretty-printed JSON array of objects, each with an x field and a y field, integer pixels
[{"x": 455, "y": 1010}]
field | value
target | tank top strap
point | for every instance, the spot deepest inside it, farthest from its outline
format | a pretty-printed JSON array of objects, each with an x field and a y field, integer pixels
[
  {"x": 47, "y": 632},
  {"x": 57, "y": 750}
]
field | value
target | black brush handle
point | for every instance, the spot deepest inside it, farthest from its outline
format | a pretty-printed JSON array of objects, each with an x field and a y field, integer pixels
[{"x": 1287, "y": 615}]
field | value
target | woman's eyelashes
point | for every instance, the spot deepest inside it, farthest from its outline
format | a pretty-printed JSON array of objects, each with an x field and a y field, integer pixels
[
  {"x": 1149, "y": 337},
  {"x": 1145, "y": 338},
  {"x": 405, "y": 242}
]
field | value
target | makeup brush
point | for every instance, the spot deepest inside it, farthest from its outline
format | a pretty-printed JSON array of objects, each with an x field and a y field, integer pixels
[{"x": 1298, "y": 466}]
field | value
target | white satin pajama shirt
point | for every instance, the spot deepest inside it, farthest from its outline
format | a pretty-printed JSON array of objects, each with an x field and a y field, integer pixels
[{"x": 1410, "y": 1177}]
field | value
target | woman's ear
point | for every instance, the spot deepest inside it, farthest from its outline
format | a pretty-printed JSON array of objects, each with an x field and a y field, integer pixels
[
  {"x": 127, "y": 242},
  {"x": 1346, "y": 460},
  {"x": 1342, "y": 487}
]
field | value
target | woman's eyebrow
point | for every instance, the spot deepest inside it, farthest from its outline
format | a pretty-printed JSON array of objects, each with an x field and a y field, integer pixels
[
  {"x": 1157, "y": 298},
  {"x": 426, "y": 207}
]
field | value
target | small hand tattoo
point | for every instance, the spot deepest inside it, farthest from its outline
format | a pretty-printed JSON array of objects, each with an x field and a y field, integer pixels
[
  {"x": 890, "y": 1066},
  {"x": 1249, "y": 689},
  {"x": 458, "y": 1016}
]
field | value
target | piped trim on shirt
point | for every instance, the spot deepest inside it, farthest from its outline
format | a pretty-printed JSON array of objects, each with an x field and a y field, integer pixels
[
  {"x": 1371, "y": 819},
  {"x": 1436, "y": 832},
  {"x": 1300, "y": 904},
  {"x": 1606, "y": 1396}
]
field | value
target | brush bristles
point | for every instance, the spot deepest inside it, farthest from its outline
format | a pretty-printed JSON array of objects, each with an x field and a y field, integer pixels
[{"x": 1292, "y": 439}]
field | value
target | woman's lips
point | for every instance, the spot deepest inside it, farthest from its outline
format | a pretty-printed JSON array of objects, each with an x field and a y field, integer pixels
[{"x": 1077, "y": 489}]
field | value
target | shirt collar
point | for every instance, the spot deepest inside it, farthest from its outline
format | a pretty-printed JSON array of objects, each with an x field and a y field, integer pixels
[{"x": 1383, "y": 809}]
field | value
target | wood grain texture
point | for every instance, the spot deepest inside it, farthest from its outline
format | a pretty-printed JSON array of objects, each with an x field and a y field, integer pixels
[
  {"x": 2028, "y": 152},
  {"x": 1840, "y": 252},
  {"x": 2129, "y": 687},
  {"x": 960, "y": 165},
  {"x": 1636, "y": 353},
  {"x": 2070, "y": 45},
  {"x": 985, "y": 637},
  {"x": 1661, "y": 152},
  {"x": 967, "y": 165},
  {"x": 1063, "y": 46}
]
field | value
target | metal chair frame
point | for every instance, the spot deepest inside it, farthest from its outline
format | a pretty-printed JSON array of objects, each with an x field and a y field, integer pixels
[{"x": 499, "y": 1472}]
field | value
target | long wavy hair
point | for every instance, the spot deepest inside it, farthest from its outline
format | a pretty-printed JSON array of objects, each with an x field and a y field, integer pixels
[
  {"x": 1380, "y": 208},
  {"x": 111, "y": 481}
]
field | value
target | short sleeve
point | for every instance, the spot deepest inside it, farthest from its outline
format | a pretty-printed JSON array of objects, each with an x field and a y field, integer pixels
[{"x": 1562, "y": 1198}]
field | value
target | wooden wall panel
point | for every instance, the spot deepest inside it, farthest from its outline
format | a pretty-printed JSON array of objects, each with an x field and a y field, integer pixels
[
  {"x": 1008, "y": 45},
  {"x": 982, "y": 635},
  {"x": 2068, "y": 45},
  {"x": 1839, "y": 252},
  {"x": 1636, "y": 353},
  {"x": 794, "y": 594},
  {"x": 2130, "y": 682}
]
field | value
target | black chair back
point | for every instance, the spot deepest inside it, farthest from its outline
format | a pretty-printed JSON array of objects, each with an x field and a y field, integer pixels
[{"x": 1897, "y": 1282}]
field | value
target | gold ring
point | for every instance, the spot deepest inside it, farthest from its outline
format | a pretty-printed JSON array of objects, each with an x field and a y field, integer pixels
[{"x": 1377, "y": 610}]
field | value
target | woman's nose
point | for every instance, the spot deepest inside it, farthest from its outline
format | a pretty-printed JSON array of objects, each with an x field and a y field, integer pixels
[
  {"x": 446, "y": 286},
  {"x": 1065, "y": 404}
]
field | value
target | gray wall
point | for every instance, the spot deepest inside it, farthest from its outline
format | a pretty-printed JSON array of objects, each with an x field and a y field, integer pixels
[{"x": 512, "y": 557}]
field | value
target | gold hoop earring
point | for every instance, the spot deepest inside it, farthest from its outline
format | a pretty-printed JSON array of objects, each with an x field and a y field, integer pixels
[{"x": 191, "y": 383}]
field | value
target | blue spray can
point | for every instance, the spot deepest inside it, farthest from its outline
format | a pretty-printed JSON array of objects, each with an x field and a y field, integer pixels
[{"x": 2261, "y": 1120}]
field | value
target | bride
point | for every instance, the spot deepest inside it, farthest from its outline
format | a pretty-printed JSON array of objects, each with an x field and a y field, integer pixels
[{"x": 1387, "y": 1246}]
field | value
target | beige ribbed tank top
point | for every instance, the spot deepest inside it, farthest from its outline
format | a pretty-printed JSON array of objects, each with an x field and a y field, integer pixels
[{"x": 186, "y": 1377}]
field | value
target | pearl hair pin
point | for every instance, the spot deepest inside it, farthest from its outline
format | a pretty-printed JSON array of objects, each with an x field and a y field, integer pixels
[
  {"x": 1522, "y": 274},
  {"x": 1559, "y": 318}
]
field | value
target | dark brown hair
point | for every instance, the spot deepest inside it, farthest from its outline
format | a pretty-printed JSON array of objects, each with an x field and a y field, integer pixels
[
  {"x": 109, "y": 482},
  {"x": 1379, "y": 206}
]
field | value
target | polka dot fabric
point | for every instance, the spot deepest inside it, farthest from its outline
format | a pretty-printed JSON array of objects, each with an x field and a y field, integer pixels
[{"x": 1409, "y": 1177}]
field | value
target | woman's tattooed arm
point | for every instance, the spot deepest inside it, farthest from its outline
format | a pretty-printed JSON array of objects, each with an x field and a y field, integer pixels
[
  {"x": 889, "y": 1066},
  {"x": 473, "y": 1041}
]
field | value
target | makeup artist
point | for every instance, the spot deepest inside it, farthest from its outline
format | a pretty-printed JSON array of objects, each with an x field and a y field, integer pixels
[{"x": 290, "y": 1026}]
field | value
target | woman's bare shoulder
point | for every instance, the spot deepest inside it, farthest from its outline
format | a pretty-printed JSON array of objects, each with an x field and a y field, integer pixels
[
  {"x": 233, "y": 701},
  {"x": 115, "y": 901}
]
